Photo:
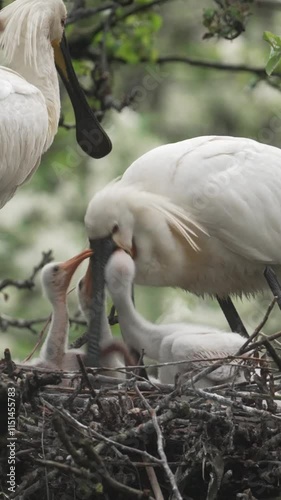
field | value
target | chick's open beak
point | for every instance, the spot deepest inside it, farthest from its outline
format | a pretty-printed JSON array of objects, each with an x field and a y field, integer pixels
[
  {"x": 71, "y": 265},
  {"x": 89, "y": 134}
]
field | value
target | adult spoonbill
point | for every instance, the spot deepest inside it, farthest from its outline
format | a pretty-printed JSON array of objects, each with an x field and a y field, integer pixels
[
  {"x": 168, "y": 342},
  {"x": 56, "y": 278},
  {"x": 109, "y": 356},
  {"x": 33, "y": 44},
  {"x": 201, "y": 214}
]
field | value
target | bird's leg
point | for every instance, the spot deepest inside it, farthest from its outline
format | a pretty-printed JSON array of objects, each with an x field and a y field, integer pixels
[
  {"x": 136, "y": 354},
  {"x": 139, "y": 357},
  {"x": 273, "y": 284},
  {"x": 232, "y": 316},
  {"x": 236, "y": 324},
  {"x": 113, "y": 318}
]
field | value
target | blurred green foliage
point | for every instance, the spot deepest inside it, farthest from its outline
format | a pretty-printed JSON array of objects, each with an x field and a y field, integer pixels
[{"x": 228, "y": 20}]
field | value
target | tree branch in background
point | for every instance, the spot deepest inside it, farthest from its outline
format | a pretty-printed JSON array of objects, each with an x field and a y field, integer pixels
[
  {"x": 268, "y": 4},
  {"x": 28, "y": 283},
  {"x": 7, "y": 322},
  {"x": 111, "y": 21}
]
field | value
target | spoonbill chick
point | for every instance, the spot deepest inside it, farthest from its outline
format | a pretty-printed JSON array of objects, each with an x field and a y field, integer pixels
[
  {"x": 168, "y": 342},
  {"x": 110, "y": 358},
  {"x": 56, "y": 278},
  {"x": 201, "y": 214},
  {"x": 33, "y": 44}
]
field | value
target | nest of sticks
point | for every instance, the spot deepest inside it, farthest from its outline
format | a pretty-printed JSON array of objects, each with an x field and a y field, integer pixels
[{"x": 109, "y": 439}]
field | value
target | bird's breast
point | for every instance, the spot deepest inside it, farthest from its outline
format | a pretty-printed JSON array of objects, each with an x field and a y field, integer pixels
[{"x": 213, "y": 270}]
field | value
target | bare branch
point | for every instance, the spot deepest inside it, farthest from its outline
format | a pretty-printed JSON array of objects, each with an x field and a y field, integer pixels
[
  {"x": 160, "y": 446},
  {"x": 114, "y": 20},
  {"x": 7, "y": 322},
  {"x": 28, "y": 283},
  {"x": 82, "y": 13}
]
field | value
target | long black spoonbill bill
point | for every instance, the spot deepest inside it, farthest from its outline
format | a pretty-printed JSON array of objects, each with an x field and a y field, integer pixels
[
  {"x": 33, "y": 44},
  {"x": 111, "y": 359}
]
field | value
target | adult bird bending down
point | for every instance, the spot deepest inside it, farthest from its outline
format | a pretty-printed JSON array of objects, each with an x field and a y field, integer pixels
[
  {"x": 201, "y": 214},
  {"x": 168, "y": 342},
  {"x": 56, "y": 278},
  {"x": 33, "y": 44}
]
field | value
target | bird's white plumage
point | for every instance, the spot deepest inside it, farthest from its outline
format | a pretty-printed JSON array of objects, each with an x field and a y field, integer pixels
[
  {"x": 228, "y": 187},
  {"x": 56, "y": 278},
  {"x": 194, "y": 344},
  {"x": 23, "y": 131},
  {"x": 29, "y": 90},
  {"x": 218, "y": 179}
]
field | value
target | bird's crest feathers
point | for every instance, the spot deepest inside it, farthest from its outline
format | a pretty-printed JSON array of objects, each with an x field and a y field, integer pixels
[
  {"x": 21, "y": 21},
  {"x": 178, "y": 220},
  {"x": 136, "y": 198}
]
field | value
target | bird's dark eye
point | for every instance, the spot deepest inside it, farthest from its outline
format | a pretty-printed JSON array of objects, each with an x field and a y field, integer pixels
[
  {"x": 63, "y": 22},
  {"x": 55, "y": 269},
  {"x": 115, "y": 228}
]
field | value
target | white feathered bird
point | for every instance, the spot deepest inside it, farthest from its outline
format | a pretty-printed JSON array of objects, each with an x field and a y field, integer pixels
[
  {"x": 194, "y": 344},
  {"x": 56, "y": 278},
  {"x": 32, "y": 42},
  {"x": 201, "y": 214}
]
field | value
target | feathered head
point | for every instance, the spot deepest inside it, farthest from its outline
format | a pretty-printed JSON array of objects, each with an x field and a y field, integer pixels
[{"x": 26, "y": 24}]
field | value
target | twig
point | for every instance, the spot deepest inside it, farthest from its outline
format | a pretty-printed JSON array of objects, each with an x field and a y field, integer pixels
[
  {"x": 262, "y": 342},
  {"x": 125, "y": 448},
  {"x": 154, "y": 482},
  {"x": 29, "y": 282},
  {"x": 114, "y": 19},
  {"x": 23, "y": 492},
  {"x": 8, "y": 361},
  {"x": 233, "y": 68},
  {"x": 259, "y": 327},
  {"x": 39, "y": 341},
  {"x": 94, "y": 461},
  {"x": 160, "y": 446},
  {"x": 27, "y": 324},
  {"x": 82, "y": 13},
  {"x": 228, "y": 402},
  {"x": 85, "y": 376}
]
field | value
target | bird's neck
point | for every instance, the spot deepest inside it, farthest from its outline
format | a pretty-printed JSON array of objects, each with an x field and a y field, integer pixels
[
  {"x": 45, "y": 78},
  {"x": 137, "y": 332},
  {"x": 55, "y": 345},
  {"x": 106, "y": 335}
]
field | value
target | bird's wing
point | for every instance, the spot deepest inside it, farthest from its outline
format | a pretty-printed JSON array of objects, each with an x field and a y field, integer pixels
[
  {"x": 229, "y": 185},
  {"x": 198, "y": 350},
  {"x": 23, "y": 131}
]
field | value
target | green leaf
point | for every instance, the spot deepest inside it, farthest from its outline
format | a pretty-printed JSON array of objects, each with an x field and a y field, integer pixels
[
  {"x": 275, "y": 51},
  {"x": 273, "y": 40},
  {"x": 273, "y": 61}
]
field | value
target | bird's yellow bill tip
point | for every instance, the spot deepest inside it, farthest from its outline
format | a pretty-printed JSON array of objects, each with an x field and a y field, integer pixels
[{"x": 59, "y": 58}]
